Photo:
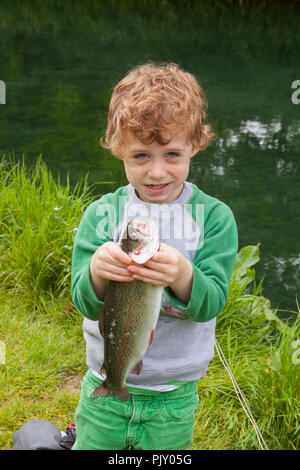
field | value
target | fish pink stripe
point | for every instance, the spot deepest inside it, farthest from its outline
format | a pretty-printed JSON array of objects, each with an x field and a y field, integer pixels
[{"x": 125, "y": 339}]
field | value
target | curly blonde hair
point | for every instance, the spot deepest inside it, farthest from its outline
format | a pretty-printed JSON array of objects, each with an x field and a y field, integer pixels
[{"x": 152, "y": 99}]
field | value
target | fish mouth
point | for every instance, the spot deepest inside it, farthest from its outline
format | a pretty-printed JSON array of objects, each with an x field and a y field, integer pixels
[
  {"x": 140, "y": 229},
  {"x": 147, "y": 235}
]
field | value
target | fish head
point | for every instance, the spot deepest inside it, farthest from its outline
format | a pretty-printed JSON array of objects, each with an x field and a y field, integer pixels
[{"x": 140, "y": 240}]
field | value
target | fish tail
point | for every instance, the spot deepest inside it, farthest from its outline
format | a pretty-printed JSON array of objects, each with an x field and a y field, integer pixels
[{"x": 104, "y": 390}]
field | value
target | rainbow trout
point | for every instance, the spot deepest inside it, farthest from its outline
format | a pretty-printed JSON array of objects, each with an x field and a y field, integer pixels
[{"x": 130, "y": 313}]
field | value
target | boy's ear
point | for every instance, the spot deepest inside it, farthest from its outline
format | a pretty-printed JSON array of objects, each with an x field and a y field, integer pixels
[
  {"x": 118, "y": 155},
  {"x": 194, "y": 151}
]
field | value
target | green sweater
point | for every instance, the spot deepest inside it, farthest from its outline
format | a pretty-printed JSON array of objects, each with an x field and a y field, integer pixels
[{"x": 204, "y": 230}]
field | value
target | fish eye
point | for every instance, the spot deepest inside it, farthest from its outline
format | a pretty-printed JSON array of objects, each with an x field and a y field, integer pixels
[
  {"x": 133, "y": 236},
  {"x": 132, "y": 233}
]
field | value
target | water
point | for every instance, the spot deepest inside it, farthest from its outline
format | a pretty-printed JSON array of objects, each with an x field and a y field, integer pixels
[{"x": 59, "y": 67}]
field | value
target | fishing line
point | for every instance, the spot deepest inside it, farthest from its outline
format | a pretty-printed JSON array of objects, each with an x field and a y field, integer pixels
[{"x": 241, "y": 397}]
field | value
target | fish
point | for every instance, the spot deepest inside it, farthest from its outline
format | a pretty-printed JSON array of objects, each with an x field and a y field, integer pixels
[{"x": 130, "y": 314}]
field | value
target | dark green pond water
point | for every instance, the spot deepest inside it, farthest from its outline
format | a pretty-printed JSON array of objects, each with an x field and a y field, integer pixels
[{"x": 60, "y": 62}]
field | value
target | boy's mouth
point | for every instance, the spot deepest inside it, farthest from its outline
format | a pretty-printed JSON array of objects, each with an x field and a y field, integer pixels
[{"x": 156, "y": 188}]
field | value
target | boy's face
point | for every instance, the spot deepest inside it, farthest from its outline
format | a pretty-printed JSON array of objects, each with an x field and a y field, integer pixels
[{"x": 157, "y": 171}]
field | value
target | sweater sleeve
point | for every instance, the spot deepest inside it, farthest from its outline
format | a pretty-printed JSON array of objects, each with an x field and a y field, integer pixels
[
  {"x": 212, "y": 267},
  {"x": 88, "y": 239}
]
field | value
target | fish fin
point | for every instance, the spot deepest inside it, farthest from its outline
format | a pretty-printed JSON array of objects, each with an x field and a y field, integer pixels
[
  {"x": 151, "y": 337},
  {"x": 101, "y": 324},
  {"x": 100, "y": 391},
  {"x": 104, "y": 391},
  {"x": 122, "y": 394},
  {"x": 137, "y": 369}
]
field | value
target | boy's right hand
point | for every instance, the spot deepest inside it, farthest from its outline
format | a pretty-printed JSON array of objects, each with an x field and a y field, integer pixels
[{"x": 109, "y": 262}]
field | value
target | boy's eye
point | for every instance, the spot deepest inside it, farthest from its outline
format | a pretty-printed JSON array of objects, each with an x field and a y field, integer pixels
[
  {"x": 172, "y": 154},
  {"x": 141, "y": 156}
]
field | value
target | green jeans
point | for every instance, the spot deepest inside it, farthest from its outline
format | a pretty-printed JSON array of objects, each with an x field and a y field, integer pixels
[{"x": 154, "y": 422}]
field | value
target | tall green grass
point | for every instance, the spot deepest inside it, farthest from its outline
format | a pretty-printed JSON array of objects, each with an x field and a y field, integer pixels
[
  {"x": 43, "y": 336},
  {"x": 259, "y": 349},
  {"x": 38, "y": 221}
]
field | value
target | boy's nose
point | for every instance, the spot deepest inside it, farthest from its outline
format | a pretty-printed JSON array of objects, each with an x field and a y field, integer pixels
[{"x": 156, "y": 170}]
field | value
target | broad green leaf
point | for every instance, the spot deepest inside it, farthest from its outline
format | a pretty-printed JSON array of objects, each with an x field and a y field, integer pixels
[
  {"x": 271, "y": 316},
  {"x": 247, "y": 257},
  {"x": 261, "y": 307}
]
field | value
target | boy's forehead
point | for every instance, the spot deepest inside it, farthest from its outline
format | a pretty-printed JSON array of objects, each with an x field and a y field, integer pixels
[{"x": 178, "y": 139}]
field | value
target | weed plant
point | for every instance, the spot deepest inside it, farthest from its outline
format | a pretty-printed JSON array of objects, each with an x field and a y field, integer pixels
[
  {"x": 259, "y": 348},
  {"x": 38, "y": 222},
  {"x": 42, "y": 334}
]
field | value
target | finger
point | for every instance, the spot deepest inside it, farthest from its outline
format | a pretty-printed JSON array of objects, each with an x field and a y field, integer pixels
[
  {"x": 118, "y": 254},
  {"x": 117, "y": 277},
  {"x": 161, "y": 257},
  {"x": 116, "y": 270},
  {"x": 160, "y": 271},
  {"x": 139, "y": 270},
  {"x": 149, "y": 274},
  {"x": 119, "y": 261},
  {"x": 157, "y": 264},
  {"x": 154, "y": 282}
]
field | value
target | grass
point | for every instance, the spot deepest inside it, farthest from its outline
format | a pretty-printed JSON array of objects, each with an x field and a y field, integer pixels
[
  {"x": 44, "y": 346},
  {"x": 38, "y": 221},
  {"x": 262, "y": 362},
  {"x": 258, "y": 347},
  {"x": 44, "y": 349}
]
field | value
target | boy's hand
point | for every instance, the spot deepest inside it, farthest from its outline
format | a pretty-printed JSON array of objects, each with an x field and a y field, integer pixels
[
  {"x": 109, "y": 262},
  {"x": 167, "y": 267}
]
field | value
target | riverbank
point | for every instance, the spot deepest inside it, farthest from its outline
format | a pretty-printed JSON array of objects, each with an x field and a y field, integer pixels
[{"x": 40, "y": 328}]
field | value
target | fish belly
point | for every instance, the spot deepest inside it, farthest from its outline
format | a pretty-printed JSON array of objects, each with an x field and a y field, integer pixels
[{"x": 129, "y": 318}]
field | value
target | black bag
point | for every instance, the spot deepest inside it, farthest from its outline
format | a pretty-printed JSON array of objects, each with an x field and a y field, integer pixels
[{"x": 43, "y": 435}]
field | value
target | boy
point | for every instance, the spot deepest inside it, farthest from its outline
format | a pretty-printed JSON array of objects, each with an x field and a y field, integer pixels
[{"x": 155, "y": 125}]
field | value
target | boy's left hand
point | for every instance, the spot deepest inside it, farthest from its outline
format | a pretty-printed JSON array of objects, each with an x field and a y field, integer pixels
[{"x": 167, "y": 267}]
